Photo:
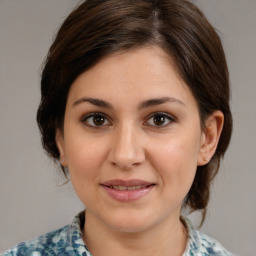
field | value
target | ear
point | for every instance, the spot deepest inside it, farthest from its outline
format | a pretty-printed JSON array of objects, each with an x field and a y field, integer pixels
[
  {"x": 59, "y": 139},
  {"x": 210, "y": 137}
]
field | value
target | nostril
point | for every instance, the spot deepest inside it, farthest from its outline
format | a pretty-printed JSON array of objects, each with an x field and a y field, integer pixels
[
  {"x": 126, "y": 153},
  {"x": 125, "y": 166}
]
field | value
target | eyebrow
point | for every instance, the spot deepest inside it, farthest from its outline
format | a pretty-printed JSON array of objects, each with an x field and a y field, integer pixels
[
  {"x": 142, "y": 105},
  {"x": 159, "y": 101},
  {"x": 95, "y": 102}
]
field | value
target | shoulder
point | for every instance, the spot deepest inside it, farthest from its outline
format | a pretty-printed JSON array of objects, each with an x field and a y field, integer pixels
[
  {"x": 47, "y": 244},
  {"x": 200, "y": 244},
  {"x": 64, "y": 241},
  {"x": 209, "y": 246}
]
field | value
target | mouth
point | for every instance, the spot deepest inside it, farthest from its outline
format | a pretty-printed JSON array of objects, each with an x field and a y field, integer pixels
[
  {"x": 133, "y": 183},
  {"x": 127, "y": 191},
  {"x": 123, "y": 188}
]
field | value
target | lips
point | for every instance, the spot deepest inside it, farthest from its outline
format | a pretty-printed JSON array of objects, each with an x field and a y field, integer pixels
[
  {"x": 127, "y": 190},
  {"x": 123, "y": 188},
  {"x": 126, "y": 183}
]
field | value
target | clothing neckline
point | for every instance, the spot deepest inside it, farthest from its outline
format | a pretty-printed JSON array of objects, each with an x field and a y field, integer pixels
[{"x": 79, "y": 222}]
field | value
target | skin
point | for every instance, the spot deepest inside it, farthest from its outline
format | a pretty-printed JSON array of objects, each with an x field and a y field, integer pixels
[{"x": 130, "y": 143}]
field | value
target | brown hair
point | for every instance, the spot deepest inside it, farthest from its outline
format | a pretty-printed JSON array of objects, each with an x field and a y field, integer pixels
[{"x": 97, "y": 28}]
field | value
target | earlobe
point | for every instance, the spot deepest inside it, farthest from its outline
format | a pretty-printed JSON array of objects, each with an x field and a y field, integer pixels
[
  {"x": 210, "y": 137},
  {"x": 60, "y": 145}
]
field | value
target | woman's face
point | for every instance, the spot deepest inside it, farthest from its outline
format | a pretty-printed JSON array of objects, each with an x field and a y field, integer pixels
[{"x": 131, "y": 140}]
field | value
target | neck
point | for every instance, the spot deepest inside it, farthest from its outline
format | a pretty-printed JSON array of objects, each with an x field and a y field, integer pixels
[{"x": 166, "y": 238}]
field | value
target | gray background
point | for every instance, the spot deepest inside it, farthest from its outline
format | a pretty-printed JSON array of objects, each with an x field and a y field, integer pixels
[{"x": 31, "y": 199}]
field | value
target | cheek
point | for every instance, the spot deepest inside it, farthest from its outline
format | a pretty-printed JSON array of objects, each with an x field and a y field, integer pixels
[
  {"x": 176, "y": 162},
  {"x": 85, "y": 158}
]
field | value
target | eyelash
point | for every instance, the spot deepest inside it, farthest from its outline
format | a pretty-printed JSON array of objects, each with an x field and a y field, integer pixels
[
  {"x": 93, "y": 115},
  {"x": 163, "y": 115},
  {"x": 166, "y": 117}
]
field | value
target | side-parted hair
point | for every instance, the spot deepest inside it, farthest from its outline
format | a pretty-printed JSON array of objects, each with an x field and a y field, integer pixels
[{"x": 97, "y": 28}]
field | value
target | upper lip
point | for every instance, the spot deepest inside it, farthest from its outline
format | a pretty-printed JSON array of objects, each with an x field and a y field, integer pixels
[{"x": 126, "y": 183}]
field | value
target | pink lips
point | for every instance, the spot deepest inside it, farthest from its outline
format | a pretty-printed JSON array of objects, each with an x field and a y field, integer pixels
[{"x": 127, "y": 190}]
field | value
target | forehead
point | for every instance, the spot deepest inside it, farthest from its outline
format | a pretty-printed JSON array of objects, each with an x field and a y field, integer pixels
[{"x": 144, "y": 72}]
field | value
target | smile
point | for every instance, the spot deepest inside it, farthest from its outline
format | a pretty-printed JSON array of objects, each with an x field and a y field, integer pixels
[
  {"x": 127, "y": 191},
  {"x": 123, "y": 188}
]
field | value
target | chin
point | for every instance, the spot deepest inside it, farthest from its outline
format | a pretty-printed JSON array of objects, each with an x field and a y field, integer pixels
[{"x": 131, "y": 223}]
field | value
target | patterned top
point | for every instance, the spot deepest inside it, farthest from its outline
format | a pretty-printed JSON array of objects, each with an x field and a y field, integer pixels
[{"x": 68, "y": 241}]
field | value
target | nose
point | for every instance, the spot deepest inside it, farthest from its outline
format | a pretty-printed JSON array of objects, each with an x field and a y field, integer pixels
[{"x": 126, "y": 148}]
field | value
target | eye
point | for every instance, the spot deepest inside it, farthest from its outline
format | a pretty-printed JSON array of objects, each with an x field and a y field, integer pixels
[
  {"x": 160, "y": 120},
  {"x": 95, "y": 120}
]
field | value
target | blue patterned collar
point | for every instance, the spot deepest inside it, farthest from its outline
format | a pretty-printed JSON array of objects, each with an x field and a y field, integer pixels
[{"x": 68, "y": 241}]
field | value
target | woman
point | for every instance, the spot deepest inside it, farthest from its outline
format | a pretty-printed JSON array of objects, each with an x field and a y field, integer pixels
[{"x": 135, "y": 105}]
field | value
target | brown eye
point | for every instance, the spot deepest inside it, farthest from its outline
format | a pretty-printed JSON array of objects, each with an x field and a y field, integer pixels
[
  {"x": 95, "y": 120},
  {"x": 160, "y": 120},
  {"x": 98, "y": 120}
]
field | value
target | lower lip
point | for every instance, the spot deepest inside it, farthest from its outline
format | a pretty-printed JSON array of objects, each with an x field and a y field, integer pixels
[{"x": 128, "y": 195}]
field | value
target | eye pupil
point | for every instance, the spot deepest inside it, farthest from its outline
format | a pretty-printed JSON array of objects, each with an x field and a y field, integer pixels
[
  {"x": 98, "y": 120},
  {"x": 159, "y": 120}
]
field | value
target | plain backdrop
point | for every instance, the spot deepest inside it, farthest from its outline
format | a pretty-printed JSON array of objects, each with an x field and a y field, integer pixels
[{"x": 32, "y": 200}]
